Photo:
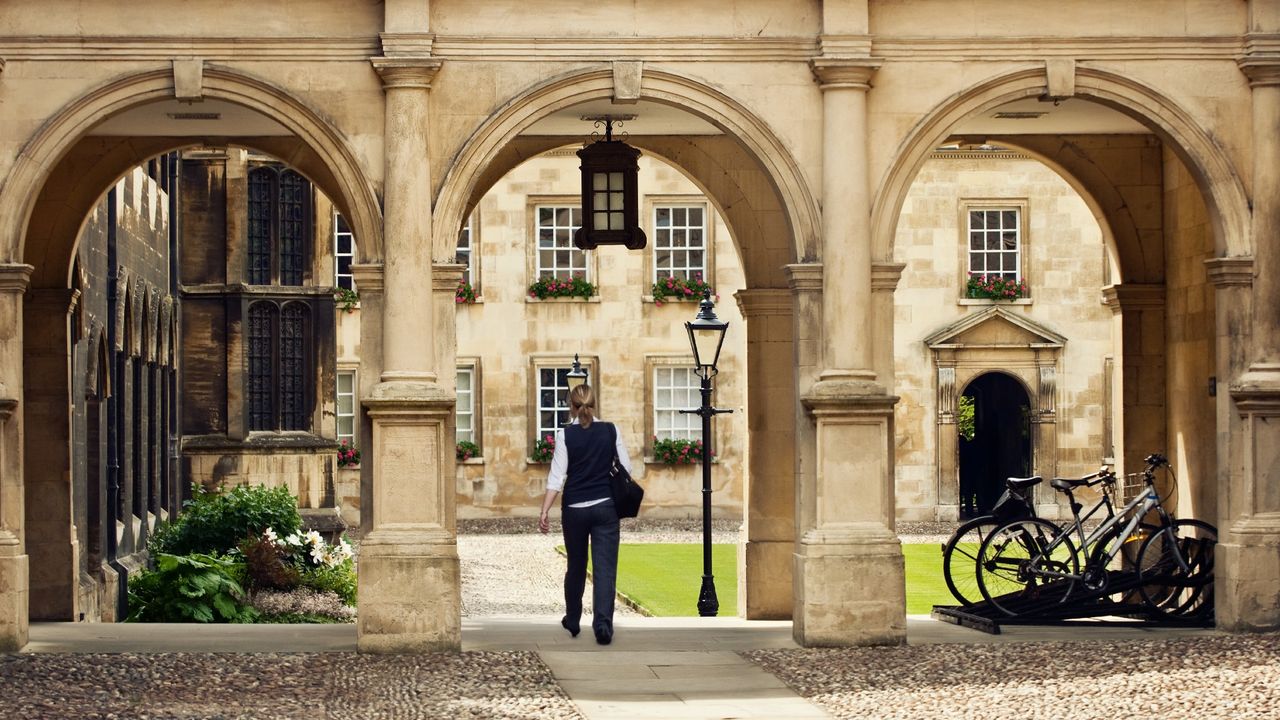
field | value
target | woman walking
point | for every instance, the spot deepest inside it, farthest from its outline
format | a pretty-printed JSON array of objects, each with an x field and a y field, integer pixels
[{"x": 580, "y": 464}]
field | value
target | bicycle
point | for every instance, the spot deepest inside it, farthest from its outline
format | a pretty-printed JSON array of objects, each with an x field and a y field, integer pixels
[
  {"x": 960, "y": 551},
  {"x": 1174, "y": 563}
]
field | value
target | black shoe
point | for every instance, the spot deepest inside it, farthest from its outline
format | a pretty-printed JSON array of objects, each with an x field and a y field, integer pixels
[
  {"x": 573, "y": 629},
  {"x": 604, "y": 637}
]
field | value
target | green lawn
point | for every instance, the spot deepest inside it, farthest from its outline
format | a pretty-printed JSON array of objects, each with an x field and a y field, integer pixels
[{"x": 664, "y": 579}]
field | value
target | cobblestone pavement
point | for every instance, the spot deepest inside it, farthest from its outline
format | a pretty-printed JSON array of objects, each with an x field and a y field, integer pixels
[{"x": 1206, "y": 678}]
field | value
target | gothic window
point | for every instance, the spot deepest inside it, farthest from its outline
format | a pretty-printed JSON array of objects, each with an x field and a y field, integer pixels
[
  {"x": 279, "y": 226},
  {"x": 278, "y": 366}
]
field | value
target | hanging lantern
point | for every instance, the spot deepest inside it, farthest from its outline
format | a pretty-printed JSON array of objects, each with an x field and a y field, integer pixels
[{"x": 610, "y": 205}]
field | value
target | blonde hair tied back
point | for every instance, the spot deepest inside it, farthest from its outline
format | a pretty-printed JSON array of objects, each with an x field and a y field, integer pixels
[{"x": 582, "y": 404}]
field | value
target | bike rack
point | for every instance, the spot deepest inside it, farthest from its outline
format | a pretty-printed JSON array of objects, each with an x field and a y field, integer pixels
[{"x": 1050, "y": 604}]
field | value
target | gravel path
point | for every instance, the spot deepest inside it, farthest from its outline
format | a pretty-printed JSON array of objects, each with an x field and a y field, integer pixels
[{"x": 1207, "y": 678}]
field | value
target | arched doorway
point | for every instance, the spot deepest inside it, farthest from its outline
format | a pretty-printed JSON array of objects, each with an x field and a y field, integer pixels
[{"x": 995, "y": 440}]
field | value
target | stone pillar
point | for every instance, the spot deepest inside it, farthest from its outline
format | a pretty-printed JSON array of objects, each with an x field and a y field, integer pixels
[
  {"x": 49, "y": 528},
  {"x": 805, "y": 281},
  {"x": 410, "y": 584},
  {"x": 850, "y": 584},
  {"x": 368, "y": 282},
  {"x": 14, "y": 575},
  {"x": 765, "y": 559},
  {"x": 1139, "y": 311}
]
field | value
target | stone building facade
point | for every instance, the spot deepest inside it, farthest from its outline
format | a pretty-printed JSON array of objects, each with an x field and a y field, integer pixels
[{"x": 805, "y": 124}]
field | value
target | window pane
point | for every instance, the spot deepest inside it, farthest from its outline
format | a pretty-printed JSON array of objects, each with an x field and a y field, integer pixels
[
  {"x": 1009, "y": 219},
  {"x": 976, "y": 221}
]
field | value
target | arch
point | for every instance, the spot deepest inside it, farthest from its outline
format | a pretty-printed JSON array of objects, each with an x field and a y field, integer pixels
[
  {"x": 486, "y": 145},
  {"x": 1218, "y": 182},
  {"x": 45, "y": 150},
  {"x": 997, "y": 449}
]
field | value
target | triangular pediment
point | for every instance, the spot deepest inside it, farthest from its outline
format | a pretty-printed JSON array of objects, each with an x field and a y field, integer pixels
[{"x": 995, "y": 327}]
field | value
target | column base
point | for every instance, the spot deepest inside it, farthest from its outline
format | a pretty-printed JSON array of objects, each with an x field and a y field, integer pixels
[
  {"x": 850, "y": 588},
  {"x": 1246, "y": 575},
  {"x": 410, "y": 593},
  {"x": 14, "y": 621},
  {"x": 765, "y": 588}
]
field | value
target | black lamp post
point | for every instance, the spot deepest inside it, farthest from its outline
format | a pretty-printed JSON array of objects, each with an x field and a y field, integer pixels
[
  {"x": 706, "y": 337},
  {"x": 576, "y": 376}
]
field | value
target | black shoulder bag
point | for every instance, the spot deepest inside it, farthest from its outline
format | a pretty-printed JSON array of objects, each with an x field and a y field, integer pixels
[{"x": 627, "y": 494}]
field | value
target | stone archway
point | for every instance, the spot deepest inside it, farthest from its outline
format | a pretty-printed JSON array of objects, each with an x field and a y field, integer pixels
[
  {"x": 1000, "y": 446},
  {"x": 750, "y": 176},
  {"x": 59, "y": 174}
]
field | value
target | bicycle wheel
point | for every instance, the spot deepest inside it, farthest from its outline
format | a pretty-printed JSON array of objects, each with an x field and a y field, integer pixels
[
  {"x": 1099, "y": 573},
  {"x": 1169, "y": 590},
  {"x": 1012, "y": 558},
  {"x": 960, "y": 558}
]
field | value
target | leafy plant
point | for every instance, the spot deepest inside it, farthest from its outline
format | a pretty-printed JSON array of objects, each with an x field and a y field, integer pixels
[
  {"x": 669, "y": 289},
  {"x": 339, "y": 579},
  {"x": 964, "y": 417},
  {"x": 346, "y": 298},
  {"x": 547, "y": 287},
  {"x": 543, "y": 449},
  {"x": 348, "y": 455},
  {"x": 994, "y": 287},
  {"x": 674, "y": 451},
  {"x": 267, "y": 565},
  {"x": 189, "y": 588},
  {"x": 215, "y": 522},
  {"x": 467, "y": 450},
  {"x": 464, "y": 294}
]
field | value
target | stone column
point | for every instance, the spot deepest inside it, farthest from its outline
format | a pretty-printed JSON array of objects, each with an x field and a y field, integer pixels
[
  {"x": 410, "y": 585},
  {"x": 49, "y": 528},
  {"x": 14, "y": 575},
  {"x": 850, "y": 585},
  {"x": 1139, "y": 311},
  {"x": 765, "y": 559}
]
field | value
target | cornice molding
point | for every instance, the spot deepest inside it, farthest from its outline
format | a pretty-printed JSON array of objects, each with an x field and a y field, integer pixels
[
  {"x": 446, "y": 276},
  {"x": 652, "y": 49},
  {"x": 300, "y": 49},
  {"x": 368, "y": 277},
  {"x": 407, "y": 44},
  {"x": 935, "y": 49},
  {"x": 1129, "y": 296},
  {"x": 885, "y": 276},
  {"x": 844, "y": 73},
  {"x": 406, "y": 72},
  {"x": 1230, "y": 272}
]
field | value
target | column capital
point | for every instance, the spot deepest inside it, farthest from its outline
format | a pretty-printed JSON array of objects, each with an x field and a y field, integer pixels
[
  {"x": 368, "y": 276},
  {"x": 759, "y": 302},
  {"x": 1129, "y": 296},
  {"x": 804, "y": 277},
  {"x": 1230, "y": 272},
  {"x": 885, "y": 276},
  {"x": 15, "y": 277},
  {"x": 841, "y": 73},
  {"x": 446, "y": 276},
  {"x": 406, "y": 72},
  {"x": 1262, "y": 70}
]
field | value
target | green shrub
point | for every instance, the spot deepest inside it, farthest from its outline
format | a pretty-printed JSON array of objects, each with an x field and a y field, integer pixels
[
  {"x": 217, "y": 523},
  {"x": 339, "y": 579},
  {"x": 193, "y": 588},
  {"x": 467, "y": 450}
]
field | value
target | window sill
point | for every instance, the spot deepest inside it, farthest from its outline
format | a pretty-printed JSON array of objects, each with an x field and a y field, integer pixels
[
  {"x": 472, "y": 461},
  {"x": 651, "y": 460},
  {"x": 592, "y": 299},
  {"x": 531, "y": 461},
  {"x": 688, "y": 300},
  {"x": 987, "y": 301},
  {"x": 478, "y": 301}
]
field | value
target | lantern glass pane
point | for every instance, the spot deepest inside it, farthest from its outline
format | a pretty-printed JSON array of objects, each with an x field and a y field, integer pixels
[
  {"x": 616, "y": 201},
  {"x": 600, "y": 200},
  {"x": 615, "y": 181},
  {"x": 601, "y": 221},
  {"x": 599, "y": 181},
  {"x": 616, "y": 222}
]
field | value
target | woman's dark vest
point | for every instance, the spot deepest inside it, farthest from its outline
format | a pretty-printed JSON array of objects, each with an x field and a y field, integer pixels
[{"x": 590, "y": 452}]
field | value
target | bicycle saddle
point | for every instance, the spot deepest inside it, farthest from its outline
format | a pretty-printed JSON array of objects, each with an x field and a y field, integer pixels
[
  {"x": 1068, "y": 483},
  {"x": 1023, "y": 483}
]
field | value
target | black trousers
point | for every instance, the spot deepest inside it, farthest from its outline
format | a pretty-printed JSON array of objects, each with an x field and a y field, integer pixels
[{"x": 599, "y": 524}]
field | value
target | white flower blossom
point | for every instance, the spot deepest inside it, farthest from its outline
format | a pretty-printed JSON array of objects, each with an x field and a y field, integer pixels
[
  {"x": 317, "y": 554},
  {"x": 314, "y": 538},
  {"x": 270, "y": 536},
  {"x": 294, "y": 539}
]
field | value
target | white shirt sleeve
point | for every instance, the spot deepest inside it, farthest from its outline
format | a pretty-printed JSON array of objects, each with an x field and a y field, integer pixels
[{"x": 559, "y": 464}]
